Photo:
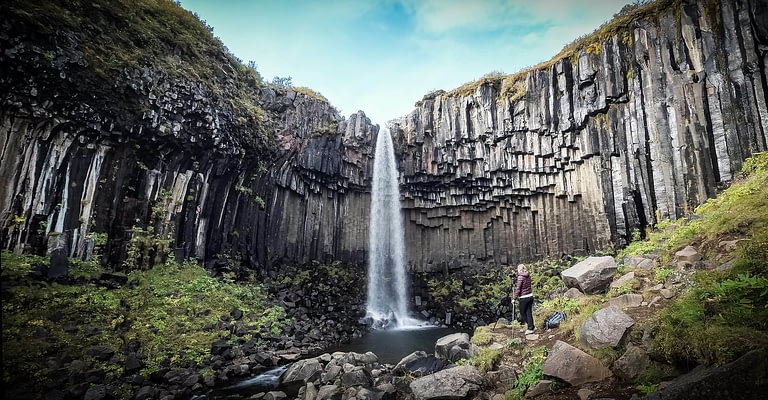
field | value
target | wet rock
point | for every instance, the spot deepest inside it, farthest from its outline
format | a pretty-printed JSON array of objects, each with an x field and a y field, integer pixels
[{"x": 454, "y": 347}]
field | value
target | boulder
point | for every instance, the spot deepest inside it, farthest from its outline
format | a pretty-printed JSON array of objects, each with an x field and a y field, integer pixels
[
  {"x": 503, "y": 378},
  {"x": 329, "y": 392},
  {"x": 419, "y": 363},
  {"x": 625, "y": 279},
  {"x": 301, "y": 372},
  {"x": 367, "y": 359},
  {"x": 744, "y": 378},
  {"x": 332, "y": 371},
  {"x": 605, "y": 328},
  {"x": 592, "y": 275},
  {"x": 454, "y": 347},
  {"x": 57, "y": 250},
  {"x": 358, "y": 376},
  {"x": 452, "y": 383},
  {"x": 639, "y": 262},
  {"x": 541, "y": 387},
  {"x": 688, "y": 254},
  {"x": 631, "y": 363},
  {"x": 573, "y": 365}
]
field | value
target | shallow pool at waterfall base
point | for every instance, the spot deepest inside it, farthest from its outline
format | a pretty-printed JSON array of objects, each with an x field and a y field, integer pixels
[{"x": 390, "y": 345}]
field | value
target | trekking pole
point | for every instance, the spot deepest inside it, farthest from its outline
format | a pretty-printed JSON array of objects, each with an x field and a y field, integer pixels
[
  {"x": 501, "y": 304},
  {"x": 498, "y": 311},
  {"x": 514, "y": 315}
]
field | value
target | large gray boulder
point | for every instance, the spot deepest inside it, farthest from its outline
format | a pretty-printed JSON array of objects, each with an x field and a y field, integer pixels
[
  {"x": 573, "y": 365},
  {"x": 419, "y": 363},
  {"x": 449, "y": 384},
  {"x": 301, "y": 372},
  {"x": 358, "y": 376},
  {"x": 605, "y": 328},
  {"x": 593, "y": 275},
  {"x": 454, "y": 347},
  {"x": 629, "y": 366}
]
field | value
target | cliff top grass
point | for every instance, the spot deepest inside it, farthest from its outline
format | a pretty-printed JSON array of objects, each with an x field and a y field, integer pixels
[
  {"x": 116, "y": 36},
  {"x": 513, "y": 85}
]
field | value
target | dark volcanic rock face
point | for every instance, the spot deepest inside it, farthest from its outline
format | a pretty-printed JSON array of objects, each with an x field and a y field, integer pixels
[{"x": 642, "y": 126}]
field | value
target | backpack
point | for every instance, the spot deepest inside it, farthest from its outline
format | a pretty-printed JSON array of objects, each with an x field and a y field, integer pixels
[{"x": 554, "y": 320}]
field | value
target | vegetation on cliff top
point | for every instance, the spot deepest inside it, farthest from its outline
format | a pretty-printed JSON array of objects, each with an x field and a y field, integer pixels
[
  {"x": 513, "y": 86},
  {"x": 93, "y": 45}
]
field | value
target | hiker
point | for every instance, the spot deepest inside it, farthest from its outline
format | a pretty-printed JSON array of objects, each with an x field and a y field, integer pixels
[{"x": 524, "y": 293}]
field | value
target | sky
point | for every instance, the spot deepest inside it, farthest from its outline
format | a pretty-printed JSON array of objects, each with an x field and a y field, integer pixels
[{"x": 382, "y": 56}]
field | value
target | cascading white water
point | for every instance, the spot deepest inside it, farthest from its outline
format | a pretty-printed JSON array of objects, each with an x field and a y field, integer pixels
[{"x": 387, "y": 279}]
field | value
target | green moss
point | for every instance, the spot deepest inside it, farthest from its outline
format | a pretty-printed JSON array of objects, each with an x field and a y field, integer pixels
[
  {"x": 173, "y": 311},
  {"x": 442, "y": 290},
  {"x": 722, "y": 316},
  {"x": 310, "y": 93},
  {"x": 486, "y": 359},
  {"x": 492, "y": 78}
]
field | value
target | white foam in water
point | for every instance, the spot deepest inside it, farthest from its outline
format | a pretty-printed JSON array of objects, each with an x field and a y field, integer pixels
[{"x": 387, "y": 301}]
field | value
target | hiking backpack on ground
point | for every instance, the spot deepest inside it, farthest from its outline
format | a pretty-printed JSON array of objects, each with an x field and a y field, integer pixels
[{"x": 554, "y": 320}]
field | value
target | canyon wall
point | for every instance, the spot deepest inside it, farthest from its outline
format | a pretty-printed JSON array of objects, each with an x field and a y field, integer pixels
[
  {"x": 643, "y": 125},
  {"x": 138, "y": 162}
]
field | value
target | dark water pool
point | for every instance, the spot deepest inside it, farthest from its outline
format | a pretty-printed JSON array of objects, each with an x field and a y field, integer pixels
[
  {"x": 392, "y": 345},
  {"x": 389, "y": 345}
]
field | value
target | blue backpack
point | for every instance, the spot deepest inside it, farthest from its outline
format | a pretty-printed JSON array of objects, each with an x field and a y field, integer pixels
[{"x": 554, "y": 320}]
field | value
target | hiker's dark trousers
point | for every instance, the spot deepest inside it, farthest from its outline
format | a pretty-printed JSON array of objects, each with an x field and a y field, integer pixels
[{"x": 526, "y": 311}]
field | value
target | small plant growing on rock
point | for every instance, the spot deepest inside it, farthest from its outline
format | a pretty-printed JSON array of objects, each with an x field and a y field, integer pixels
[
  {"x": 662, "y": 274},
  {"x": 532, "y": 372}
]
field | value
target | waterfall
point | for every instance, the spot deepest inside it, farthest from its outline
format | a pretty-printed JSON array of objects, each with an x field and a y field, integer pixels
[{"x": 387, "y": 278}]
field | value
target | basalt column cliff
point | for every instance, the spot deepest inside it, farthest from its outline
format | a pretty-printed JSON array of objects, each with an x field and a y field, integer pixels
[
  {"x": 144, "y": 137},
  {"x": 107, "y": 147},
  {"x": 641, "y": 125}
]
